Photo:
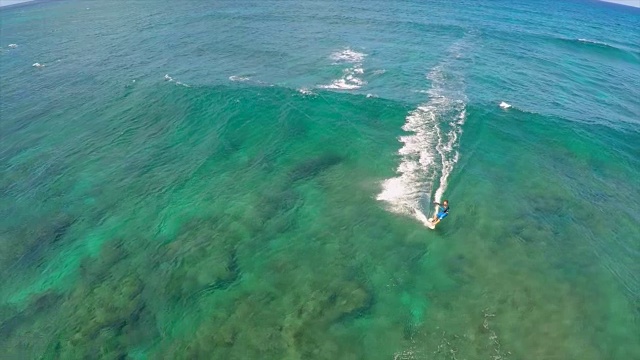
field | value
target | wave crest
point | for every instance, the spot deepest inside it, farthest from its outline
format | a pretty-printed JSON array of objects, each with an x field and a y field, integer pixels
[
  {"x": 348, "y": 55},
  {"x": 351, "y": 78}
]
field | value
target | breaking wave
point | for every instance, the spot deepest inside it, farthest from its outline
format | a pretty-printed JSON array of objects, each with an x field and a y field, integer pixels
[{"x": 352, "y": 75}]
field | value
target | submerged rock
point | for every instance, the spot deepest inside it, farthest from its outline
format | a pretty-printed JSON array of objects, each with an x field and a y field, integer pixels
[
  {"x": 104, "y": 319},
  {"x": 314, "y": 166},
  {"x": 27, "y": 247}
]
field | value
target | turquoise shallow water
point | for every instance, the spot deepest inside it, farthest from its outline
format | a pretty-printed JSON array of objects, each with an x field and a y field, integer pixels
[{"x": 239, "y": 181}]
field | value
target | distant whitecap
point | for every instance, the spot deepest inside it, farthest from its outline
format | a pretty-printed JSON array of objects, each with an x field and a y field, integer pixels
[
  {"x": 348, "y": 55},
  {"x": 351, "y": 78},
  {"x": 504, "y": 105},
  {"x": 305, "y": 91},
  {"x": 239, "y": 78},
  {"x": 593, "y": 42},
  {"x": 170, "y": 79},
  {"x": 341, "y": 84}
]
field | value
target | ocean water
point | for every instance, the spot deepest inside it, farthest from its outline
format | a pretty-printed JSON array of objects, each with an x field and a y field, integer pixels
[{"x": 250, "y": 180}]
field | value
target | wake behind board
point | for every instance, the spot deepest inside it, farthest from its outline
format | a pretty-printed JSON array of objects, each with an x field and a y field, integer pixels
[{"x": 427, "y": 222}]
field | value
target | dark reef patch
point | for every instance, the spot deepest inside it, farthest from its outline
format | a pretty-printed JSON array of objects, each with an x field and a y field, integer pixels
[
  {"x": 314, "y": 166},
  {"x": 29, "y": 247}
]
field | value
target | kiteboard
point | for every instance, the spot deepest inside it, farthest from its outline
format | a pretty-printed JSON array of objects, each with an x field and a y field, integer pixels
[
  {"x": 423, "y": 218},
  {"x": 430, "y": 224}
]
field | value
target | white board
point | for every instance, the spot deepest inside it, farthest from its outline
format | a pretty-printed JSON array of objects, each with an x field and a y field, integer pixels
[
  {"x": 430, "y": 225},
  {"x": 423, "y": 218}
]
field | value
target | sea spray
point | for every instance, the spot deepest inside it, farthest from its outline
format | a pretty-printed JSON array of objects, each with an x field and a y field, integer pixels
[{"x": 430, "y": 152}]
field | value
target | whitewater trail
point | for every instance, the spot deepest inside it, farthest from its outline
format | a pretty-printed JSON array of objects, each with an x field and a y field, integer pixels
[
  {"x": 430, "y": 150},
  {"x": 352, "y": 74}
]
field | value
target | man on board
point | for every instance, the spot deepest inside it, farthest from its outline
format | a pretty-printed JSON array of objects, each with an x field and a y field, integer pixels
[{"x": 443, "y": 211}]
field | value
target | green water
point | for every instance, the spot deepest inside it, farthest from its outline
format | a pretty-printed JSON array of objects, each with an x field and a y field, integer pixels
[
  {"x": 257, "y": 235},
  {"x": 240, "y": 219}
]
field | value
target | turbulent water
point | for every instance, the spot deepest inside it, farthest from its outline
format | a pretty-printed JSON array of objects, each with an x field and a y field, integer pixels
[{"x": 249, "y": 180}]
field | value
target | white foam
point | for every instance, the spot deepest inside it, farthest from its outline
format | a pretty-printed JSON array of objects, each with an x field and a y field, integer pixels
[
  {"x": 305, "y": 91},
  {"x": 504, "y": 105},
  {"x": 355, "y": 80},
  {"x": 449, "y": 155},
  {"x": 170, "y": 79},
  {"x": 593, "y": 42},
  {"x": 348, "y": 55},
  {"x": 341, "y": 84},
  {"x": 350, "y": 79},
  {"x": 430, "y": 151},
  {"x": 418, "y": 214},
  {"x": 239, "y": 78},
  {"x": 13, "y": 46},
  {"x": 38, "y": 65}
]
